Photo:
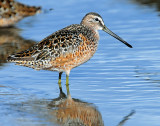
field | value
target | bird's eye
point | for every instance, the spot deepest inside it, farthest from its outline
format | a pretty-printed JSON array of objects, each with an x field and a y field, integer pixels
[{"x": 96, "y": 19}]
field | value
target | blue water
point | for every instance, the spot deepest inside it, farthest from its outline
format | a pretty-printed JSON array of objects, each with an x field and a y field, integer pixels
[{"x": 117, "y": 80}]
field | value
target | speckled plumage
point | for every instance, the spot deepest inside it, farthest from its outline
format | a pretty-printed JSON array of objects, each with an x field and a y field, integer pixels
[
  {"x": 66, "y": 48},
  {"x": 12, "y": 11}
]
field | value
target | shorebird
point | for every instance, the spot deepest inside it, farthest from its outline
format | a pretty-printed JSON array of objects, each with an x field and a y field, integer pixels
[
  {"x": 67, "y": 48},
  {"x": 12, "y": 11}
]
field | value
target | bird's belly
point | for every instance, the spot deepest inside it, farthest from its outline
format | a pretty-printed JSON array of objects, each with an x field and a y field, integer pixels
[
  {"x": 71, "y": 60},
  {"x": 9, "y": 21}
]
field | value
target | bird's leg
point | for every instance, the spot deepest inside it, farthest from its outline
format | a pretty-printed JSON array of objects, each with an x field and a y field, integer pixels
[
  {"x": 67, "y": 79},
  {"x": 59, "y": 81},
  {"x": 67, "y": 84}
]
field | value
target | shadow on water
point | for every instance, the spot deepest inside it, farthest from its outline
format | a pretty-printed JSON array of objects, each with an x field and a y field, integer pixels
[
  {"x": 151, "y": 3},
  {"x": 11, "y": 42}
]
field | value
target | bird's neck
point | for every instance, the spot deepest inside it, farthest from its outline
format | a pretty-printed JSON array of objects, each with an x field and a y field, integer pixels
[{"x": 95, "y": 33}]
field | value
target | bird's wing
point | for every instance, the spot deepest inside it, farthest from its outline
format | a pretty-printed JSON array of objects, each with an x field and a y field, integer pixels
[{"x": 57, "y": 44}]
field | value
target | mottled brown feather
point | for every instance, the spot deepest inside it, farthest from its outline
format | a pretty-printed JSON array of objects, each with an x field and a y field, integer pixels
[
  {"x": 12, "y": 11},
  {"x": 62, "y": 50}
]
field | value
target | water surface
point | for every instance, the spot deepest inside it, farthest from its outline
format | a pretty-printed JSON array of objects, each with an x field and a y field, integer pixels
[{"x": 120, "y": 83}]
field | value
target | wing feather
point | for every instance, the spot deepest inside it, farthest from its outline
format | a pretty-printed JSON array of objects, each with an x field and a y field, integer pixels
[{"x": 59, "y": 43}]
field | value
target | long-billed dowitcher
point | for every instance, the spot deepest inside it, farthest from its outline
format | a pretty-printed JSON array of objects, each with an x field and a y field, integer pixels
[
  {"x": 12, "y": 11},
  {"x": 66, "y": 48}
]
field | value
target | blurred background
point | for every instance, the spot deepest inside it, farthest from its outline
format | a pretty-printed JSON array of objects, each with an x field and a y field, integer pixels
[{"x": 118, "y": 86}]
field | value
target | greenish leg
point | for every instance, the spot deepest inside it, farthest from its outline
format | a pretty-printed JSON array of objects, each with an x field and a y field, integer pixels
[
  {"x": 67, "y": 84},
  {"x": 59, "y": 81}
]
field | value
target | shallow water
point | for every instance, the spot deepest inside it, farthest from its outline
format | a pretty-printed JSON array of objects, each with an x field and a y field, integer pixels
[{"x": 120, "y": 84}]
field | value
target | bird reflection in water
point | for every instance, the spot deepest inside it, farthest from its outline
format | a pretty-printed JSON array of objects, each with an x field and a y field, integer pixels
[
  {"x": 61, "y": 111},
  {"x": 74, "y": 112},
  {"x": 11, "y": 42}
]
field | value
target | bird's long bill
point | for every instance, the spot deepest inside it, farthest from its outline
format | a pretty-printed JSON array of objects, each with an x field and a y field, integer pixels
[{"x": 116, "y": 36}]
